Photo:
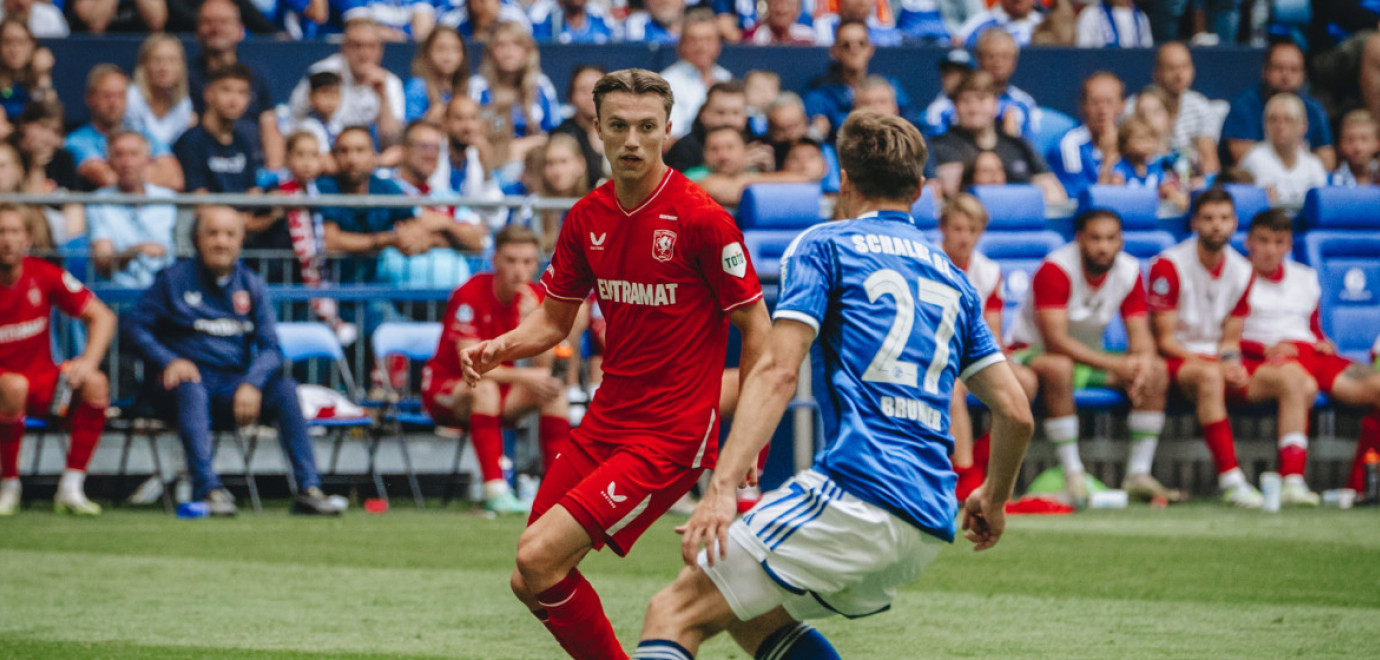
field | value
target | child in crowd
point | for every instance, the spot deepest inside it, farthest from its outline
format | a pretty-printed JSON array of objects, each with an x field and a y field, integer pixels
[
  {"x": 304, "y": 225},
  {"x": 325, "y": 101},
  {"x": 762, "y": 88},
  {"x": 806, "y": 158},
  {"x": 1282, "y": 164},
  {"x": 985, "y": 169},
  {"x": 1142, "y": 163},
  {"x": 1357, "y": 147}
]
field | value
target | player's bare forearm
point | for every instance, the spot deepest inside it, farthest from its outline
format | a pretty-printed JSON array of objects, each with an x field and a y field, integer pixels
[
  {"x": 1012, "y": 425},
  {"x": 754, "y": 325},
  {"x": 1165, "y": 340},
  {"x": 1053, "y": 325},
  {"x": 1139, "y": 339},
  {"x": 540, "y": 331},
  {"x": 1231, "y": 336},
  {"x": 100, "y": 329},
  {"x": 766, "y": 391}
]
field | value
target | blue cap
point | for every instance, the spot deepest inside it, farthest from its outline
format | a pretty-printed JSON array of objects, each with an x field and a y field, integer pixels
[{"x": 956, "y": 59}]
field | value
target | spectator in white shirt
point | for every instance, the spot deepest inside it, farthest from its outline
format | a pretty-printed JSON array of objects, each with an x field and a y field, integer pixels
[
  {"x": 1282, "y": 164},
  {"x": 157, "y": 100},
  {"x": 691, "y": 77},
  {"x": 370, "y": 95},
  {"x": 1115, "y": 23},
  {"x": 43, "y": 18},
  {"x": 1196, "y": 124}
]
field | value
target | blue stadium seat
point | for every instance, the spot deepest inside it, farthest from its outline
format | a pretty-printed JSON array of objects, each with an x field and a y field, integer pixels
[
  {"x": 1114, "y": 338},
  {"x": 1015, "y": 207},
  {"x": 417, "y": 342},
  {"x": 1146, "y": 245},
  {"x": 1138, "y": 207},
  {"x": 1099, "y": 398},
  {"x": 779, "y": 206},
  {"x": 766, "y": 247},
  {"x": 1336, "y": 208},
  {"x": 925, "y": 211},
  {"x": 308, "y": 341},
  {"x": 1349, "y": 270},
  {"x": 1053, "y": 125},
  {"x": 832, "y": 178},
  {"x": 1019, "y": 254},
  {"x": 1238, "y": 241}
]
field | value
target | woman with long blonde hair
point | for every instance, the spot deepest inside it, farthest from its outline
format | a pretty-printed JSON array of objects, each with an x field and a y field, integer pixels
[
  {"x": 158, "y": 103},
  {"x": 26, "y": 70},
  {"x": 556, "y": 170},
  {"x": 510, "y": 77},
  {"x": 440, "y": 70}
]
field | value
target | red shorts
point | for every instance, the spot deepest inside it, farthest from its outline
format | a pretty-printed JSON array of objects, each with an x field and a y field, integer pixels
[
  {"x": 436, "y": 398},
  {"x": 41, "y": 386},
  {"x": 1322, "y": 367},
  {"x": 615, "y": 491}
]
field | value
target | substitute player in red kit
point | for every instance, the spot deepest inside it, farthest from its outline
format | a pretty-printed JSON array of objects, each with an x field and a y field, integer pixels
[
  {"x": 669, "y": 271},
  {"x": 29, "y": 290},
  {"x": 487, "y": 306}
]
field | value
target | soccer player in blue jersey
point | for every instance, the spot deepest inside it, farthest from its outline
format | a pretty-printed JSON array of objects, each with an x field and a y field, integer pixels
[{"x": 878, "y": 504}]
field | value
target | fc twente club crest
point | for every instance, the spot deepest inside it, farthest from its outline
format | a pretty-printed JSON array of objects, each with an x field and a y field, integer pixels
[
  {"x": 663, "y": 244},
  {"x": 241, "y": 300}
]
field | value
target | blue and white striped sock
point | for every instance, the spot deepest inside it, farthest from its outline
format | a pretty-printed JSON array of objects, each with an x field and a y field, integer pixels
[
  {"x": 661, "y": 649},
  {"x": 796, "y": 642}
]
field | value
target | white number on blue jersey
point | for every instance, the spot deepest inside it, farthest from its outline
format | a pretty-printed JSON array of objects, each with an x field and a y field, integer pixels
[{"x": 886, "y": 367}]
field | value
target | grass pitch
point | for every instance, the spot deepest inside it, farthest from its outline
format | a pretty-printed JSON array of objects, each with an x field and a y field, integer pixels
[{"x": 1198, "y": 581}]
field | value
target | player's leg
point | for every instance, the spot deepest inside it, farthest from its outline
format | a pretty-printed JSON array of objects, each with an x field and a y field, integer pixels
[
  {"x": 549, "y": 583},
  {"x": 1295, "y": 390},
  {"x": 553, "y": 421},
  {"x": 485, "y": 403},
  {"x": 961, "y": 428},
  {"x": 1359, "y": 385},
  {"x": 1146, "y": 424},
  {"x": 1055, "y": 373},
  {"x": 87, "y": 424},
  {"x": 14, "y": 394},
  {"x": 1202, "y": 382}
]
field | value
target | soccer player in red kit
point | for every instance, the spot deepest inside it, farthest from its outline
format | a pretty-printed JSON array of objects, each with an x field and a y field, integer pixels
[
  {"x": 669, "y": 270},
  {"x": 487, "y": 306},
  {"x": 29, "y": 290}
]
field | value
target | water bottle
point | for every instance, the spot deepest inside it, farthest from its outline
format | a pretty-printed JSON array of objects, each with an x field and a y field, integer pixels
[
  {"x": 507, "y": 465},
  {"x": 561, "y": 365},
  {"x": 1270, "y": 485},
  {"x": 1372, "y": 462},
  {"x": 62, "y": 396}
]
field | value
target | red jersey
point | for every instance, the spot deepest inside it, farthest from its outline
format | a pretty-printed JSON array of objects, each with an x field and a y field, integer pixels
[
  {"x": 666, "y": 275},
  {"x": 474, "y": 312},
  {"x": 25, "y": 343}
]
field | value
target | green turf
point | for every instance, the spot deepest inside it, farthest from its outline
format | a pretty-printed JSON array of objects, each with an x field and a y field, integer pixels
[{"x": 1191, "y": 582}]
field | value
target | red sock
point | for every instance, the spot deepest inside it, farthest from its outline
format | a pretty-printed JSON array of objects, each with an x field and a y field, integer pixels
[
  {"x": 1220, "y": 442},
  {"x": 762, "y": 459},
  {"x": 969, "y": 478},
  {"x": 1292, "y": 460},
  {"x": 11, "y": 435},
  {"x": 576, "y": 618},
  {"x": 554, "y": 434},
  {"x": 486, "y": 432},
  {"x": 1370, "y": 439},
  {"x": 87, "y": 423}
]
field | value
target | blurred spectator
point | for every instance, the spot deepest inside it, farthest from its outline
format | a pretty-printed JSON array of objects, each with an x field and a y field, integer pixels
[
  {"x": 510, "y": 83},
  {"x": 1141, "y": 163},
  {"x": 1283, "y": 73},
  {"x": 696, "y": 70},
  {"x": 1196, "y": 123},
  {"x": 762, "y": 88},
  {"x": 476, "y": 19},
  {"x": 1358, "y": 146},
  {"x": 218, "y": 155},
  {"x": 1016, "y": 17},
  {"x": 725, "y": 105},
  {"x": 441, "y": 267},
  {"x": 976, "y": 130},
  {"x": 370, "y": 94},
  {"x": 45, "y": 20},
  {"x": 1116, "y": 23},
  {"x": 207, "y": 326},
  {"x": 997, "y": 54},
  {"x": 875, "y": 14},
  {"x": 829, "y": 98},
  {"x": 562, "y": 174},
  {"x": 1344, "y": 55},
  {"x": 259, "y": 16},
  {"x": 14, "y": 179},
  {"x": 440, "y": 69},
  {"x": 786, "y": 124},
  {"x": 323, "y": 102},
  {"x": 580, "y": 124},
  {"x": 399, "y": 20},
  {"x": 305, "y": 227},
  {"x": 922, "y": 21},
  {"x": 781, "y": 27},
  {"x": 939, "y": 113},
  {"x": 129, "y": 244},
  {"x": 1078, "y": 157},
  {"x": 469, "y": 164},
  {"x": 103, "y": 16},
  {"x": 107, "y": 92},
  {"x": 727, "y": 169},
  {"x": 985, "y": 169},
  {"x": 157, "y": 102},
  {"x": 659, "y": 22},
  {"x": 806, "y": 158},
  {"x": 1154, "y": 105},
  {"x": 735, "y": 18},
  {"x": 1223, "y": 16},
  {"x": 26, "y": 71},
  {"x": 876, "y": 93},
  {"x": 219, "y": 32},
  {"x": 1282, "y": 164},
  {"x": 1059, "y": 27},
  {"x": 572, "y": 22},
  {"x": 49, "y": 167}
]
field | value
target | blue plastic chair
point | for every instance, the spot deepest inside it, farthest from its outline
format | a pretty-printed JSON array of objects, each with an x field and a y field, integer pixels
[
  {"x": 1349, "y": 271},
  {"x": 924, "y": 211},
  {"x": 766, "y": 247},
  {"x": 1342, "y": 209},
  {"x": 1146, "y": 245},
  {"x": 1013, "y": 207},
  {"x": 417, "y": 342},
  {"x": 779, "y": 206},
  {"x": 1052, "y": 126},
  {"x": 1138, "y": 207},
  {"x": 308, "y": 341}
]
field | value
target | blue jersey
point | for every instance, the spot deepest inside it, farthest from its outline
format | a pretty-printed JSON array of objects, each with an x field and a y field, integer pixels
[{"x": 913, "y": 324}]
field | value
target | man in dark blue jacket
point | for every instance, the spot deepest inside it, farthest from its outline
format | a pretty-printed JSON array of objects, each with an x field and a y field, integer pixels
[{"x": 207, "y": 325}]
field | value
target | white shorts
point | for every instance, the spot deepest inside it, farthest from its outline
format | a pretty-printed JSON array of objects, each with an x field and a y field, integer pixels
[{"x": 818, "y": 551}]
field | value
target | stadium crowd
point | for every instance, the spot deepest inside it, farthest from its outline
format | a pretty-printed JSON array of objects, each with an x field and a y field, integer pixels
[{"x": 1208, "y": 325}]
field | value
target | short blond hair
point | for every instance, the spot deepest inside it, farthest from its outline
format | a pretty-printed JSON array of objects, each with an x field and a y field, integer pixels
[
  {"x": 967, "y": 205},
  {"x": 1289, "y": 102},
  {"x": 1362, "y": 118}
]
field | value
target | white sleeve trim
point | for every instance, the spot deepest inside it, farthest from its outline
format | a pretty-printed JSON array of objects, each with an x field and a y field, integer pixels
[
  {"x": 549, "y": 294},
  {"x": 797, "y": 316},
  {"x": 740, "y": 303},
  {"x": 981, "y": 364}
]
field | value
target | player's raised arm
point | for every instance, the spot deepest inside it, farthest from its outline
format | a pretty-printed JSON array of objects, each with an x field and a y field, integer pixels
[
  {"x": 767, "y": 388},
  {"x": 537, "y": 333},
  {"x": 984, "y": 515}
]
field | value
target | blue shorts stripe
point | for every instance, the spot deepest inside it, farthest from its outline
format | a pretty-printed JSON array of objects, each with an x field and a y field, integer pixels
[
  {"x": 783, "y": 522},
  {"x": 818, "y": 504}
]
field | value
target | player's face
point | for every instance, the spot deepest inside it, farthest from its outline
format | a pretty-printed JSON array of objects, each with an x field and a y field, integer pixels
[
  {"x": 14, "y": 239},
  {"x": 1214, "y": 224},
  {"x": 1267, "y": 249},
  {"x": 219, "y": 235},
  {"x": 961, "y": 233},
  {"x": 515, "y": 264},
  {"x": 1099, "y": 243},
  {"x": 634, "y": 130}
]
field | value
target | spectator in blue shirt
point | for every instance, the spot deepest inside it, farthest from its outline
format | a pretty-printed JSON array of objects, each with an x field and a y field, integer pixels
[
  {"x": 476, "y": 19},
  {"x": 879, "y": 32},
  {"x": 206, "y": 328},
  {"x": 399, "y": 20},
  {"x": 107, "y": 90},
  {"x": 659, "y": 22},
  {"x": 829, "y": 98},
  {"x": 1019, "y": 18},
  {"x": 129, "y": 244},
  {"x": 1019, "y": 114},
  {"x": 1283, "y": 72},
  {"x": 572, "y": 22},
  {"x": 922, "y": 21},
  {"x": 1078, "y": 157},
  {"x": 26, "y": 71},
  {"x": 512, "y": 67},
  {"x": 440, "y": 70},
  {"x": 219, "y": 31}
]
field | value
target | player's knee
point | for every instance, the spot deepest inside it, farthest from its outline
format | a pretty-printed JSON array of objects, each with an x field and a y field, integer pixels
[
  {"x": 1056, "y": 371},
  {"x": 1207, "y": 381},
  {"x": 96, "y": 389},
  {"x": 14, "y": 390},
  {"x": 485, "y": 398},
  {"x": 534, "y": 558},
  {"x": 519, "y": 587},
  {"x": 1298, "y": 383}
]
